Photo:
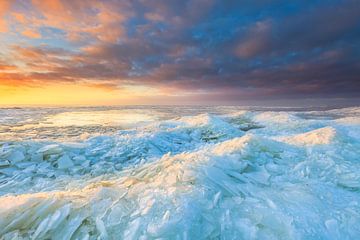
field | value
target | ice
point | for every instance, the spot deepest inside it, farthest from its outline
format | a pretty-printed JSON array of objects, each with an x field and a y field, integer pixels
[
  {"x": 16, "y": 156},
  {"x": 324, "y": 135},
  {"x": 109, "y": 117},
  {"x": 4, "y": 163},
  {"x": 238, "y": 175},
  {"x": 50, "y": 149},
  {"x": 65, "y": 162}
]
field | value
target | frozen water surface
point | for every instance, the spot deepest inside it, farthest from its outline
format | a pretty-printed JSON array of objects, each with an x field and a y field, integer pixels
[{"x": 179, "y": 173}]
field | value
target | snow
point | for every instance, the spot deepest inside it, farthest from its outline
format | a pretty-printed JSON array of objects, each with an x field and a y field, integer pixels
[{"x": 203, "y": 176}]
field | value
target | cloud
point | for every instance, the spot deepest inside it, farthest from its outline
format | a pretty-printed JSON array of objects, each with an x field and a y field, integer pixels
[
  {"x": 101, "y": 20},
  {"x": 234, "y": 49},
  {"x": 4, "y": 7},
  {"x": 4, "y": 67},
  {"x": 31, "y": 33},
  {"x": 156, "y": 17},
  {"x": 256, "y": 40}
]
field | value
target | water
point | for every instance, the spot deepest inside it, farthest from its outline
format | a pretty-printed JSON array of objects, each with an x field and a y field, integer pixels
[{"x": 151, "y": 172}]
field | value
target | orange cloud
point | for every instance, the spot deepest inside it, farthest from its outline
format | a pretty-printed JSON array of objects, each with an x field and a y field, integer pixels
[
  {"x": 31, "y": 33},
  {"x": 102, "y": 20},
  {"x": 4, "y": 7},
  {"x": 19, "y": 17},
  {"x": 6, "y": 67}
]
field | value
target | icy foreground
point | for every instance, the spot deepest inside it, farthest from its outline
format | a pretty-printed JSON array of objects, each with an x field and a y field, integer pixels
[{"x": 226, "y": 175}]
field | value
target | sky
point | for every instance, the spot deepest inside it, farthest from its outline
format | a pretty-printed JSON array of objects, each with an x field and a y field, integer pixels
[{"x": 109, "y": 52}]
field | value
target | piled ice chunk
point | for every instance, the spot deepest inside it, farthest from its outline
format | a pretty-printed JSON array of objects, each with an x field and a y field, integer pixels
[{"x": 196, "y": 177}]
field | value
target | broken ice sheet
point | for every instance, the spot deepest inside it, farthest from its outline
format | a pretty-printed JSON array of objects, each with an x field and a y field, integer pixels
[{"x": 206, "y": 176}]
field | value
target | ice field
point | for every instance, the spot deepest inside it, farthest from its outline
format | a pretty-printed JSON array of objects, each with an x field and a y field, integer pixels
[{"x": 179, "y": 173}]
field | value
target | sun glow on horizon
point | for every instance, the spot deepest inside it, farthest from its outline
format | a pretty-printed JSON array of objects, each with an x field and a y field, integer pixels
[{"x": 64, "y": 94}]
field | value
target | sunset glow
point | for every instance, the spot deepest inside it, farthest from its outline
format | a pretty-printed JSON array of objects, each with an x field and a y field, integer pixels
[{"x": 62, "y": 94}]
